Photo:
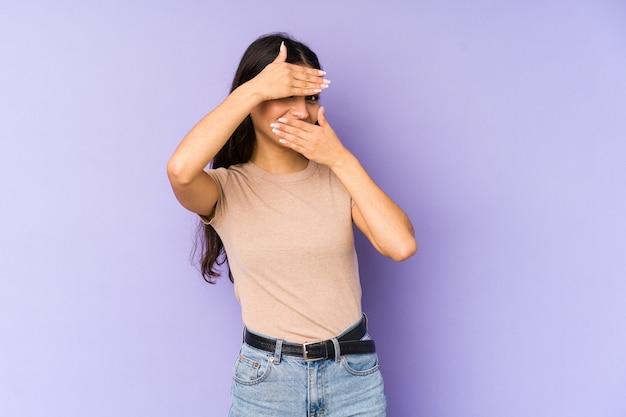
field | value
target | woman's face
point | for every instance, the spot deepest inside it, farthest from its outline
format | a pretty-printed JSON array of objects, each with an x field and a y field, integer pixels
[{"x": 297, "y": 107}]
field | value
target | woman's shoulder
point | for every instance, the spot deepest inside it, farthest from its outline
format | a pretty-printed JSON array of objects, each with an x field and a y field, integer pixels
[
  {"x": 222, "y": 173},
  {"x": 219, "y": 175}
]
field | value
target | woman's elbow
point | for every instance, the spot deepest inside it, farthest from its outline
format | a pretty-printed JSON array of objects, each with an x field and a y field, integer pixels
[
  {"x": 404, "y": 251},
  {"x": 176, "y": 172}
]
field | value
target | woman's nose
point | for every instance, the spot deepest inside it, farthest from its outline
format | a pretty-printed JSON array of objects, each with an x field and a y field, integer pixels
[{"x": 298, "y": 108}]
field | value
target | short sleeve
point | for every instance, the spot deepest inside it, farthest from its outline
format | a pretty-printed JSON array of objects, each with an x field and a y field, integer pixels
[{"x": 220, "y": 176}]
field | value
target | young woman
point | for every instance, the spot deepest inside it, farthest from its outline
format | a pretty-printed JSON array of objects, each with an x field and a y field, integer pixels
[{"x": 278, "y": 203}]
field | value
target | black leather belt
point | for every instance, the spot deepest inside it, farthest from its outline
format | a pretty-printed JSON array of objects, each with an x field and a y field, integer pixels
[{"x": 349, "y": 344}]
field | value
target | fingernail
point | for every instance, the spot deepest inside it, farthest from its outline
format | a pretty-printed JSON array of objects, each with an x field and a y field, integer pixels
[
  {"x": 325, "y": 81},
  {"x": 324, "y": 86},
  {"x": 320, "y": 72},
  {"x": 317, "y": 90},
  {"x": 276, "y": 131},
  {"x": 274, "y": 125},
  {"x": 282, "y": 120}
]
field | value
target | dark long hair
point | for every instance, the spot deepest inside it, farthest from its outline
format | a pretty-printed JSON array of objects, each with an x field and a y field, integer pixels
[{"x": 239, "y": 147}]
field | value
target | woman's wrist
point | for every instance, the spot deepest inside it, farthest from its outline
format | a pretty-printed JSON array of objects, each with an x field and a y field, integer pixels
[
  {"x": 343, "y": 160},
  {"x": 251, "y": 93}
]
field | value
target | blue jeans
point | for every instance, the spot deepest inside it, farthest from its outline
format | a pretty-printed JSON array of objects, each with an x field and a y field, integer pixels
[{"x": 268, "y": 384}]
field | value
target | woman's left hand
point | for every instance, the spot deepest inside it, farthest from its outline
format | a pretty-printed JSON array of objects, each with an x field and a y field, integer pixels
[
  {"x": 317, "y": 143},
  {"x": 375, "y": 214}
]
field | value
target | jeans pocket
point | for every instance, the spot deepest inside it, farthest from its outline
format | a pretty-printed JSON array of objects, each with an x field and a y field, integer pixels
[
  {"x": 361, "y": 364},
  {"x": 252, "y": 366}
]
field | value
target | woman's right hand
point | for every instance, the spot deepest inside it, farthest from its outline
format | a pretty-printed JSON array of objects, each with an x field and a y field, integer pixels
[{"x": 281, "y": 79}]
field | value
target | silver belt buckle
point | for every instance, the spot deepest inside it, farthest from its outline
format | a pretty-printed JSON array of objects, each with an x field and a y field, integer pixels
[{"x": 305, "y": 352}]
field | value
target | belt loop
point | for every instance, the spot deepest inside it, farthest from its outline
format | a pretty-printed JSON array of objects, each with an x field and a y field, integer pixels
[
  {"x": 278, "y": 351},
  {"x": 365, "y": 320},
  {"x": 337, "y": 348},
  {"x": 243, "y": 334}
]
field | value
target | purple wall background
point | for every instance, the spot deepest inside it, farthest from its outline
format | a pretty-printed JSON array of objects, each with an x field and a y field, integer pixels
[{"x": 499, "y": 128}]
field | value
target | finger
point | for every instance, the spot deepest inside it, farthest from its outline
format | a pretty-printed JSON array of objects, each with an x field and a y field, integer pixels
[
  {"x": 321, "y": 117},
  {"x": 286, "y": 132},
  {"x": 288, "y": 144},
  {"x": 286, "y": 138},
  {"x": 307, "y": 85},
  {"x": 293, "y": 126},
  {"x": 308, "y": 76},
  {"x": 305, "y": 91},
  {"x": 282, "y": 53},
  {"x": 308, "y": 70},
  {"x": 310, "y": 81}
]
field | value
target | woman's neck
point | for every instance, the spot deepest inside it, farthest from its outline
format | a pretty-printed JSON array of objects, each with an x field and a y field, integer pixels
[{"x": 278, "y": 160}]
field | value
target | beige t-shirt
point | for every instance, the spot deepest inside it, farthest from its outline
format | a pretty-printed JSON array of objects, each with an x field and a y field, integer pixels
[{"x": 290, "y": 247}]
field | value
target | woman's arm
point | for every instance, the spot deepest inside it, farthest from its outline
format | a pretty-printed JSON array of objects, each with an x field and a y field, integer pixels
[
  {"x": 193, "y": 187},
  {"x": 383, "y": 222}
]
